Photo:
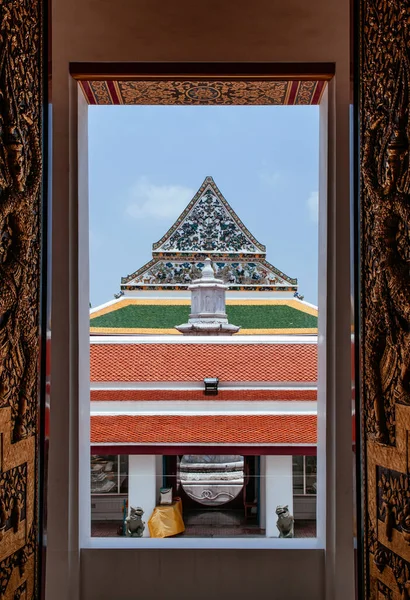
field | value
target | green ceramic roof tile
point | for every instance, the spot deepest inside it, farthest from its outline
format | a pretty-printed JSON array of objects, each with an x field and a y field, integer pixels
[{"x": 166, "y": 317}]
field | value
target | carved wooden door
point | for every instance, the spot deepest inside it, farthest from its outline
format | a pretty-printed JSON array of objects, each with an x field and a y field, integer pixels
[
  {"x": 385, "y": 295},
  {"x": 21, "y": 108}
]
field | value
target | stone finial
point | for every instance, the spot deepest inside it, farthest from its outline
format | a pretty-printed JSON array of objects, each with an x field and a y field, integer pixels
[
  {"x": 208, "y": 316},
  {"x": 208, "y": 271}
]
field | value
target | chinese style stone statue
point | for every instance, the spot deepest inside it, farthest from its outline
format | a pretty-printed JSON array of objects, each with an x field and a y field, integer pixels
[
  {"x": 134, "y": 525},
  {"x": 285, "y": 522}
]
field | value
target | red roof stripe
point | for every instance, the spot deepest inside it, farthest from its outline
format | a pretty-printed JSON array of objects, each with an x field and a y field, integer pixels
[
  {"x": 193, "y": 362},
  {"x": 113, "y": 92},
  {"x": 87, "y": 91},
  {"x": 189, "y": 395},
  {"x": 215, "y": 429},
  {"x": 318, "y": 92},
  {"x": 293, "y": 90}
]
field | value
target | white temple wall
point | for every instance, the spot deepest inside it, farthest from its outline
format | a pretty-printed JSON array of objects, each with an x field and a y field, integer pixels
[
  {"x": 142, "y": 485},
  {"x": 279, "y": 489},
  {"x": 108, "y": 508},
  {"x": 304, "y": 507}
]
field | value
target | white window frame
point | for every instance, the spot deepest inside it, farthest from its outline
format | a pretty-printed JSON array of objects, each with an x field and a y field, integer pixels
[{"x": 87, "y": 541}]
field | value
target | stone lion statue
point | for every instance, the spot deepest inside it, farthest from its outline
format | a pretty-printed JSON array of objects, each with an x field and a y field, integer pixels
[
  {"x": 134, "y": 525},
  {"x": 285, "y": 522}
]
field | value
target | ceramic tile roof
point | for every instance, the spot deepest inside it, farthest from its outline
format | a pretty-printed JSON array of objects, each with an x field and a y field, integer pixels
[
  {"x": 215, "y": 429},
  {"x": 142, "y": 315},
  {"x": 162, "y": 395},
  {"x": 193, "y": 362}
]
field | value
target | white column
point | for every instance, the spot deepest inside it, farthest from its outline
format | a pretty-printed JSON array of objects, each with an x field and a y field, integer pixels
[
  {"x": 262, "y": 493},
  {"x": 279, "y": 489},
  {"x": 158, "y": 475},
  {"x": 142, "y": 485}
]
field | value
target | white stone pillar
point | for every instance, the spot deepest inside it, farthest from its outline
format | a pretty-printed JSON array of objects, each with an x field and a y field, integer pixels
[
  {"x": 142, "y": 485},
  {"x": 158, "y": 475},
  {"x": 279, "y": 489},
  {"x": 262, "y": 493}
]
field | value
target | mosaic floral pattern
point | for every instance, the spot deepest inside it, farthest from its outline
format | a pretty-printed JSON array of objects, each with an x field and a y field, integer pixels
[
  {"x": 208, "y": 183},
  {"x": 232, "y": 273},
  {"x": 209, "y": 227}
]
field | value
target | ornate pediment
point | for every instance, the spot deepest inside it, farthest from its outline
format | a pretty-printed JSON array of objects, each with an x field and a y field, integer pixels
[
  {"x": 235, "y": 274},
  {"x": 208, "y": 224},
  {"x": 208, "y": 227}
]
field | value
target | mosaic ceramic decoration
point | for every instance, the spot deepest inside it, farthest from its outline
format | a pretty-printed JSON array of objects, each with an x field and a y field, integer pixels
[
  {"x": 232, "y": 273},
  {"x": 208, "y": 227}
]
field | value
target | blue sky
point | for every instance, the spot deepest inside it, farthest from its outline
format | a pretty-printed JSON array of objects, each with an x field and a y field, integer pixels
[{"x": 147, "y": 162}]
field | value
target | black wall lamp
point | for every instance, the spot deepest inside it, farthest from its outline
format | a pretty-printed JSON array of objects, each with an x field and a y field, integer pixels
[{"x": 211, "y": 386}]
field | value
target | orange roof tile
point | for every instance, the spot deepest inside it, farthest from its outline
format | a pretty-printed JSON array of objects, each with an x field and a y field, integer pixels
[
  {"x": 188, "y": 395},
  {"x": 193, "y": 362},
  {"x": 215, "y": 429}
]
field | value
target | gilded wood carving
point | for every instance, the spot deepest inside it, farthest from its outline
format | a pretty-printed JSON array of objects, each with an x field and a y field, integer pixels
[
  {"x": 385, "y": 221},
  {"x": 203, "y": 92},
  {"x": 20, "y": 204}
]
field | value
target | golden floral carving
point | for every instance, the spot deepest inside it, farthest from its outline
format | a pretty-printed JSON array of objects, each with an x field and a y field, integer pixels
[
  {"x": 202, "y": 92},
  {"x": 385, "y": 274},
  {"x": 212, "y": 92},
  {"x": 101, "y": 93},
  {"x": 305, "y": 92},
  {"x": 20, "y": 207}
]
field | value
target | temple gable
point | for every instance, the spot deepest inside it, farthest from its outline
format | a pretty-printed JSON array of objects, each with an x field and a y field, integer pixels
[
  {"x": 208, "y": 227},
  {"x": 209, "y": 224}
]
